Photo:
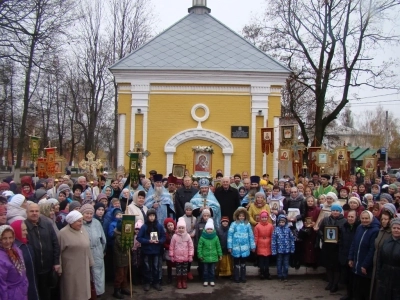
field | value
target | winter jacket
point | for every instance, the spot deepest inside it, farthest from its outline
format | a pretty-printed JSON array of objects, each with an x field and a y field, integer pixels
[
  {"x": 181, "y": 248},
  {"x": 143, "y": 238},
  {"x": 346, "y": 238},
  {"x": 13, "y": 285},
  {"x": 121, "y": 258},
  {"x": 262, "y": 237},
  {"x": 108, "y": 218},
  {"x": 182, "y": 196},
  {"x": 363, "y": 247},
  {"x": 29, "y": 260},
  {"x": 200, "y": 224},
  {"x": 282, "y": 239},
  {"x": 44, "y": 242},
  {"x": 297, "y": 203},
  {"x": 222, "y": 233},
  {"x": 255, "y": 211},
  {"x": 209, "y": 249},
  {"x": 240, "y": 235},
  {"x": 388, "y": 270}
]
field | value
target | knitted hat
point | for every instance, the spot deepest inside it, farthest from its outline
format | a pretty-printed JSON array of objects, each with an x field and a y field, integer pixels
[
  {"x": 224, "y": 219},
  {"x": 101, "y": 196},
  {"x": 390, "y": 208},
  {"x": 387, "y": 197},
  {"x": 73, "y": 205},
  {"x": 169, "y": 220},
  {"x": 189, "y": 206},
  {"x": 206, "y": 211},
  {"x": 347, "y": 189},
  {"x": 117, "y": 211},
  {"x": 63, "y": 204},
  {"x": 332, "y": 195},
  {"x": 209, "y": 224},
  {"x": 53, "y": 201},
  {"x": 138, "y": 224},
  {"x": 63, "y": 187},
  {"x": 4, "y": 186},
  {"x": 99, "y": 205},
  {"x": 336, "y": 207},
  {"x": 395, "y": 221},
  {"x": 356, "y": 200},
  {"x": 264, "y": 214},
  {"x": 181, "y": 223},
  {"x": 393, "y": 186},
  {"x": 17, "y": 200},
  {"x": 73, "y": 216},
  {"x": 40, "y": 193},
  {"x": 151, "y": 211},
  {"x": 87, "y": 208}
]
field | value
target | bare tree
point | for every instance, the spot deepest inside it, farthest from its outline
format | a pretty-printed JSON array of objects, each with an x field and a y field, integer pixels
[
  {"x": 330, "y": 47},
  {"x": 131, "y": 28}
]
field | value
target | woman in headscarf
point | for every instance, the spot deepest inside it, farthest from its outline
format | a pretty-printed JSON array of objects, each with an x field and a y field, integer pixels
[
  {"x": 47, "y": 211},
  {"x": 310, "y": 252},
  {"x": 362, "y": 253},
  {"x": 13, "y": 280},
  {"x": 16, "y": 208},
  {"x": 388, "y": 269},
  {"x": 27, "y": 189},
  {"x": 60, "y": 217},
  {"x": 3, "y": 214},
  {"x": 21, "y": 242},
  {"x": 97, "y": 246},
  {"x": 385, "y": 232},
  {"x": 109, "y": 192},
  {"x": 125, "y": 198},
  {"x": 76, "y": 259}
]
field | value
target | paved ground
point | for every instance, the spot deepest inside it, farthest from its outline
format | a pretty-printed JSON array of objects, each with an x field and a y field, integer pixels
[{"x": 298, "y": 287}]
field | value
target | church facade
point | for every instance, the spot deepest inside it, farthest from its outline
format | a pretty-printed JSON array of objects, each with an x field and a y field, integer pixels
[{"x": 199, "y": 83}]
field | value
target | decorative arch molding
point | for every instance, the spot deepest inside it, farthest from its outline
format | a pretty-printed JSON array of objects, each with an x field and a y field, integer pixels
[{"x": 199, "y": 134}]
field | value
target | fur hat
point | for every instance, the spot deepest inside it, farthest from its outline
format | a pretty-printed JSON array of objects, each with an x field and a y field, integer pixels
[
  {"x": 77, "y": 186},
  {"x": 188, "y": 205},
  {"x": 241, "y": 210},
  {"x": 209, "y": 224}
]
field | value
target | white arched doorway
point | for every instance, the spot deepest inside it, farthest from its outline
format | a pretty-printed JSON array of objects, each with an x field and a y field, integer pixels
[{"x": 199, "y": 134}]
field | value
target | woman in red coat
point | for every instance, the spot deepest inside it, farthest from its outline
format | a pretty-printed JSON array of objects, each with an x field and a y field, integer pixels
[
  {"x": 262, "y": 237},
  {"x": 310, "y": 249}
]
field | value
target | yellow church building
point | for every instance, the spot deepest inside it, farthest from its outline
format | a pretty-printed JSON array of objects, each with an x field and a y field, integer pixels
[{"x": 199, "y": 83}]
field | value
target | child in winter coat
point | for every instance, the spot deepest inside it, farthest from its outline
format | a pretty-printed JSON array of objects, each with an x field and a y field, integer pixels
[
  {"x": 240, "y": 242},
  {"x": 136, "y": 255},
  {"x": 190, "y": 221},
  {"x": 121, "y": 264},
  {"x": 209, "y": 252},
  {"x": 199, "y": 227},
  {"x": 170, "y": 228},
  {"x": 224, "y": 267},
  {"x": 282, "y": 245},
  {"x": 151, "y": 250},
  {"x": 181, "y": 252},
  {"x": 262, "y": 236}
]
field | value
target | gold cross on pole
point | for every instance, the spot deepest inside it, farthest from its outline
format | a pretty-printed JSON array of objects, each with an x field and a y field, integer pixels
[{"x": 91, "y": 165}]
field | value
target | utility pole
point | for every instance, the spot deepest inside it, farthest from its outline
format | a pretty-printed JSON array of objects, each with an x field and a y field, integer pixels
[{"x": 387, "y": 142}]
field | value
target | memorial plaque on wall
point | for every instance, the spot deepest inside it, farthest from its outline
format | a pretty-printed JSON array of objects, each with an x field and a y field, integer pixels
[{"x": 240, "y": 132}]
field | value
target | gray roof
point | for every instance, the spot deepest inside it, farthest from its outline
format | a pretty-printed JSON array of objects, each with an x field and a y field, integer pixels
[{"x": 199, "y": 42}]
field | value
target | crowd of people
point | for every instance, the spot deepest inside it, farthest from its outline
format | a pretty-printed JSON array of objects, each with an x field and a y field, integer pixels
[{"x": 62, "y": 238}]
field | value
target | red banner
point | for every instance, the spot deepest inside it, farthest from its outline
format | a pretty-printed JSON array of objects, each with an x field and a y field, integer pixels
[
  {"x": 41, "y": 167},
  {"x": 51, "y": 161}
]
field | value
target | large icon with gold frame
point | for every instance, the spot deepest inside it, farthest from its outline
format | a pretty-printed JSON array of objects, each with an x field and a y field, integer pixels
[
  {"x": 369, "y": 163},
  {"x": 284, "y": 154},
  {"x": 322, "y": 158}
]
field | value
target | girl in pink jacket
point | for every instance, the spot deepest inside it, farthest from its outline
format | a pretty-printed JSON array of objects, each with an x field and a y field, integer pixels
[{"x": 181, "y": 252}]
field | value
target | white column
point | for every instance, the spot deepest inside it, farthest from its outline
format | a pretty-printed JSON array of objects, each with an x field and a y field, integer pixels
[
  {"x": 276, "y": 146},
  {"x": 145, "y": 126},
  {"x": 227, "y": 164},
  {"x": 121, "y": 140},
  {"x": 133, "y": 125},
  {"x": 253, "y": 145},
  {"x": 170, "y": 162}
]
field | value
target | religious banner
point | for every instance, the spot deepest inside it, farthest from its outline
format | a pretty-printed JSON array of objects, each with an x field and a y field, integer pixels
[
  {"x": 128, "y": 232},
  {"x": 369, "y": 164},
  {"x": 134, "y": 165},
  {"x": 51, "y": 161},
  {"x": 34, "y": 145},
  {"x": 267, "y": 140},
  {"x": 341, "y": 159},
  {"x": 312, "y": 159},
  {"x": 41, "y": 167}
]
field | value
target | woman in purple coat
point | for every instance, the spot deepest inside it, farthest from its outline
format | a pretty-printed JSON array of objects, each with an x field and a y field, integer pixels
[{"x": 13, "y": 281}]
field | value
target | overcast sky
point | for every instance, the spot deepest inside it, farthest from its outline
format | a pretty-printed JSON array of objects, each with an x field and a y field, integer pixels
[{"x": 237, "y": 13}]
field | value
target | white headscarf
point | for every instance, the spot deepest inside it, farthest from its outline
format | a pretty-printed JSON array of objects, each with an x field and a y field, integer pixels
[{"x": 73, "y": 216}]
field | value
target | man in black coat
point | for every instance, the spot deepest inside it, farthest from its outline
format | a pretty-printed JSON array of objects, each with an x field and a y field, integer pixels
[
  {"x": 44, "y": 242},
  {"x": 228, "y": 198},
  {"x": 183, "y": 195}
]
